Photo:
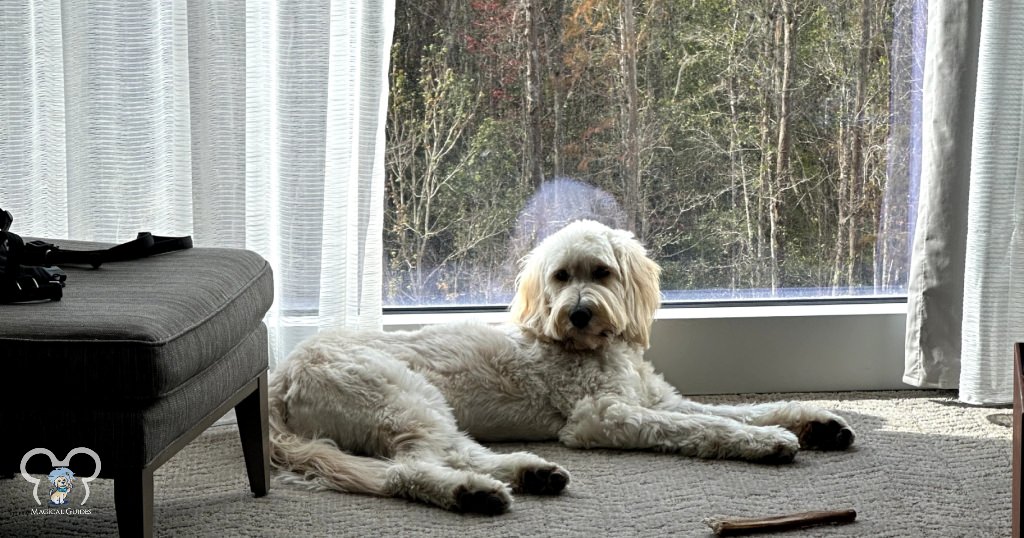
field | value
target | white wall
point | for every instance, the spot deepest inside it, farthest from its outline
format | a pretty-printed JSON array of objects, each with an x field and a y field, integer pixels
[
  {"x": 762, "y": 348},
  {"x": 782, "y": 349}
]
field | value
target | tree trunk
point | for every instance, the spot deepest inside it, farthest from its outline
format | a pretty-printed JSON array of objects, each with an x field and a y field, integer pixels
[
  {"x": 534, "y": 106},
  {"x": 857, "y": 167},
  {"x": 630, "y": 112},
  {"x": 769, "y": 87},
  {"x": 738, "y": 171},
  {"x": 782, "y": 167},
  {"x": 842, "y": 193},
  {"x": 553, "y": 56}
]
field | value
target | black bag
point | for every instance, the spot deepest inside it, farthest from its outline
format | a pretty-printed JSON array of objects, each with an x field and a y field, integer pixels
[{"x": 28, "y": 271}]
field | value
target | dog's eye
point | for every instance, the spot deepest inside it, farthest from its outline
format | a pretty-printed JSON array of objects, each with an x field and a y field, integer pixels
[
  {"x": 601, "y": 272},
  {"x": 562, "y": 275}
]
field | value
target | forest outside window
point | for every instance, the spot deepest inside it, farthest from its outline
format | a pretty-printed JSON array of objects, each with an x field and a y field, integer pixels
[{"x": 760, "y": 149}]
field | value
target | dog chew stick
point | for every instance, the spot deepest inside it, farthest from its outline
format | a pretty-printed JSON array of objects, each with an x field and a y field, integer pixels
[{"x": 733, "y": 526}]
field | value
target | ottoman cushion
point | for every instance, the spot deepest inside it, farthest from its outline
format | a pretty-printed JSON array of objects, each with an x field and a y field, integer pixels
[
  {"x": 138, "y": 329},
  {"x": 132, "y": 433}
]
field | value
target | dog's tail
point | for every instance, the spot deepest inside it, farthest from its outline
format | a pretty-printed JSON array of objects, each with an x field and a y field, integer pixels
[{"x": 318, "y": 463}]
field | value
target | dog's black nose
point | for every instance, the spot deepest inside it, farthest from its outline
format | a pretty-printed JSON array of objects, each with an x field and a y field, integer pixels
[{"x": 580, "y": 317}]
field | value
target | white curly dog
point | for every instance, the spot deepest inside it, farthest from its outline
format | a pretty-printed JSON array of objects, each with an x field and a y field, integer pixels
[{"x": 400, "y": 413}]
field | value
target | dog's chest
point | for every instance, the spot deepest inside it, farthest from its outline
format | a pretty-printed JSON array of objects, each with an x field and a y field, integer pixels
[
  {"x": 503, "y": 404},
  {"x": 503, "y": 387},
  {"x": 593, "y": 376},
  {"x": 518, "y": 395}
]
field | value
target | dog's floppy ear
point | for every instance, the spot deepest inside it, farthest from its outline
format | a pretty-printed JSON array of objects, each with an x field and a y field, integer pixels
[
  {"x": 529, "y": 306},
  {"x": 641, "y": 279}
]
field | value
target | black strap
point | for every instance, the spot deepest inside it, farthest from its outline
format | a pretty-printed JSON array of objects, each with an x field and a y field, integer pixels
[{"x": 143, "y": 246}]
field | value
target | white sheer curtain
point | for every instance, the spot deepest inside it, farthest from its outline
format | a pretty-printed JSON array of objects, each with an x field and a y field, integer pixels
[
  {"x": 254, "y": 124},
  {"x": 994, "y": 273},
  {"x": 966, "y": 298}
]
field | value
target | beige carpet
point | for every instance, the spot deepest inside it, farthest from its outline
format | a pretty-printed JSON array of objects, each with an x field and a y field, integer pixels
[{"x": 924, "y": 465}]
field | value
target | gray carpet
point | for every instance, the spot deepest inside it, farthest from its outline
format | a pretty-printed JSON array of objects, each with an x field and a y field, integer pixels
[{"x": 924, "y": 465}]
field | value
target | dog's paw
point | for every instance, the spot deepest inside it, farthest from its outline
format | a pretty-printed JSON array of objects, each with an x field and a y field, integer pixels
[
  {"x": 492, "y": 501},
  {"x": 775, "y": 446},
  {"x": 829, "y": 434},
  {"x": 543, "y": 480}
]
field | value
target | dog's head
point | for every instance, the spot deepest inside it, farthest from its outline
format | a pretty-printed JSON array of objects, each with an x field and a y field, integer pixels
[{"x": 586, "y": 286}]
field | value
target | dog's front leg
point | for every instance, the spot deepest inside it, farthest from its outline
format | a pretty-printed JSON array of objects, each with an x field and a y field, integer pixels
[
  {"x": 609, "y": 422},
  {"x": 816, "y": 428}
]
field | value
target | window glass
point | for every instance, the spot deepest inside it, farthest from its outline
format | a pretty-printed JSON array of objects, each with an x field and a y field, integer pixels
[{"x": 759, "y": 149}]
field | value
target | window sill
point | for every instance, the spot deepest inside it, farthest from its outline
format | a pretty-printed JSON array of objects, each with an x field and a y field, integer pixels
[{"x": 410, "y": 320}]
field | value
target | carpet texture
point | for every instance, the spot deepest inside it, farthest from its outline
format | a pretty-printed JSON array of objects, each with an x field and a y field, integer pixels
[{"x": 923, "y": 465}]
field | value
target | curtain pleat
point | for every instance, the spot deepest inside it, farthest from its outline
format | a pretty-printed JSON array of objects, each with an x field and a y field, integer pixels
[
  {"x": 355, "y": 149},
  {"x": 33, "y": 172},
  {"x": 250, "y": 124},
  {"x": 217, "y": 73},
  {"x": 935, "y": 284},
  {"x": 127, "y": 118},
  {"x": 298, "y": 107}
]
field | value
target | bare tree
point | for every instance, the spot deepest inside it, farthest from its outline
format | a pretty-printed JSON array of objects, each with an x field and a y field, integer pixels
[
  {"x": 534, "y": 103},
  {"x": 630, "y": 114},
  {"x": 423, "y": 138}
]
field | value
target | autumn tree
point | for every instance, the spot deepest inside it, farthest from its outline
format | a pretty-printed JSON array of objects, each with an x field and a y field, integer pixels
[{"x": 746, "y": 143}]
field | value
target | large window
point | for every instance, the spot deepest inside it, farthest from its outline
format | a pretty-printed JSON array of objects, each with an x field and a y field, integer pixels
[{"x": 760, "y": 149}]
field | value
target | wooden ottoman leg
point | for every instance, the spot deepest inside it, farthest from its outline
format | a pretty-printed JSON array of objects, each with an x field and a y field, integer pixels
[
  {"x": 133, "y": 500},
  {"x": 254, "y": 430}
]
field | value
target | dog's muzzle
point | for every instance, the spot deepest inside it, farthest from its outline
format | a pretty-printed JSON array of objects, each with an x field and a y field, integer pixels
[{"x": 580, "y": 317}]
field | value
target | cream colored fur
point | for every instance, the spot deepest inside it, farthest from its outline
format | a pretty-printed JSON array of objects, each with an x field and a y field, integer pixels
[{"x": 401, "y": 413}]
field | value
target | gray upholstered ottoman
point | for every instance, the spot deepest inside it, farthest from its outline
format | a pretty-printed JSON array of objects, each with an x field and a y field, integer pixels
[{"x": 135, "y": 361}]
